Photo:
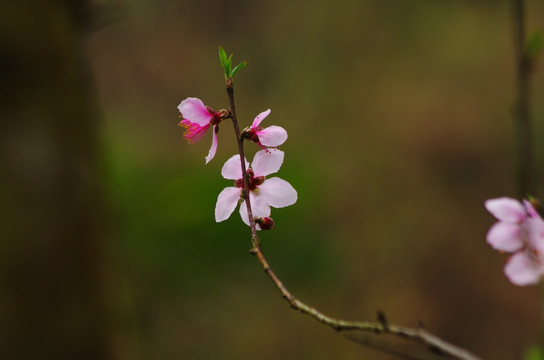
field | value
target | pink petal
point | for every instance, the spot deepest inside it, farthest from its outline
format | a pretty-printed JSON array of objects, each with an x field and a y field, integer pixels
[
  {"x": 213, "y": 148},
  {"x": 260, "y": 118},
  {"x": 232, "y": 169},
  {"x": 505, "y": 237},
  {"x": 259, "y": 208},
  {"x": 531, "y": 210},
  {"x": 226, "y": 203},
  {"x": 534, "y": 230},
  {"x": 521, "y": 270},
  {"x": 272, "y": 136},
  {"x": 278, "y": 193},
  {"x": 194, "y": 110},
  {"x": 267, "y": 162},
  {"x": 506, "y": 209}
]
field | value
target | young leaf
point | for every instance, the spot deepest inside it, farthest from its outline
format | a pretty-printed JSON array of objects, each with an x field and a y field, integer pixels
[
  {"x": 223, "y": 60},
  {"x": 222, "y": 56},
  {"x": 241, "y": 65},
  {"x": 226, "y": 63},
  {"x": 229, "y": 64}
]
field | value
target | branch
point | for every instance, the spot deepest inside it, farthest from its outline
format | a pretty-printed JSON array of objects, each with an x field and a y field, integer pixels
[
  {"x": 245, "y": 194},
  {"x": 404, "y": 349},
  {"x": 434, "y": 345}
]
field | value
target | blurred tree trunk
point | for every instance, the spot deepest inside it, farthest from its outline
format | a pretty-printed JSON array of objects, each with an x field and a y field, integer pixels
[{"x": 53, "y": 302}]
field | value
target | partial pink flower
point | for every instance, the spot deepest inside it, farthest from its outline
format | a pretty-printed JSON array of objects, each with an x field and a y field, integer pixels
[
  {"x": 197, "y": 118},
  {"x": 271, "y": 136},
  {"x": 520, "y": 230},
  {"x": 264, "y": 193}
]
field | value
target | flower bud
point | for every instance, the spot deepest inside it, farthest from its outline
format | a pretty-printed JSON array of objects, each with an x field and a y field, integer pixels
[
  {"x": 251, "y": 133},
  {"x": 225, "y": 114},
  {"x": 265, "y": 223},
  {"x": 246, "y": 133}
]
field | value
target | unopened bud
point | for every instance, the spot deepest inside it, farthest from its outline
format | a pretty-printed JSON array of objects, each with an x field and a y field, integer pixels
[
  {"x": 246, "y": 133},
  {"x": 251, "y": 133},
  {"x": 265, "y": 223},
  {"x": 224, "y": 113}
]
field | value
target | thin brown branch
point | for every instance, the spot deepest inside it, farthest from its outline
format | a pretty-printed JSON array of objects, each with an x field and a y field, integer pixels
[
  {"x": 433, "y": 344},
  {"x": 230, "y": 92},
  {"x": 395, "y": 346}
]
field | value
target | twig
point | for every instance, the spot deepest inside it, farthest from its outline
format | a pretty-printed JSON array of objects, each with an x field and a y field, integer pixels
[
  {"x": 404, "y": 349},
  {"x": 434, "y": 344},
  {"x": 245, "y": 194}
]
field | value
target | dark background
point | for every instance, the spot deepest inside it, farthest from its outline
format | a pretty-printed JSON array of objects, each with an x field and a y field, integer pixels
[{"x": 400, "y": 127}]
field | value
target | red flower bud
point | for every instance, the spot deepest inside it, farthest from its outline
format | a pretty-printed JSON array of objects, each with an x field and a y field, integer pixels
[{"x": 265, "y": 223}]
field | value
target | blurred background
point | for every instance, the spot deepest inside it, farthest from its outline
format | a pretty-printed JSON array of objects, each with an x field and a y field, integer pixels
[{"x": 399, "y": 116}]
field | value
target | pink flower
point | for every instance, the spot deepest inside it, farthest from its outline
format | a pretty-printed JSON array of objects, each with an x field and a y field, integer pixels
[
  {"x": 520, "y": 230},
  {"x": 271, "y": 136},
  {"x": 197, "y": 119},
  {"x": 264, "y": 192}
]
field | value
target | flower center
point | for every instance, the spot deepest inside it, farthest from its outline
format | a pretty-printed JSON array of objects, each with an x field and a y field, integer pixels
[
  {"x": 252, "y": 180},
  {"x": 253, "y": 134},
  {"x": 216, "y": 116}
]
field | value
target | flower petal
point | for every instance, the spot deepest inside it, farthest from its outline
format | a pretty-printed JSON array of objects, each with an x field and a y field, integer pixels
[
  {"x": 521, "y": 270},
  {"x": 506, "y": 209},
  {"x": 505, "y": 237},
  {"x": 278, "y": 193},
  {"x": 226, "y": 203},
  {"x": 267, "y": 162},
  {"x": 272, "y": 136},
  {"x": 259, "y": 208},
  {"x": 260, "y": 118},
  {"x": 232, "y": 169},
  {"x": 534, "y": 230},
  {"x": 529, "y": 208},
  {"x": 194, "y": 110},
  {"x": 213, "y": 148}
]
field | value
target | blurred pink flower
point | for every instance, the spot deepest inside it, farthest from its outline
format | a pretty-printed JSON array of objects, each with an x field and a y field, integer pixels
[
  {"x": 263, "y": 194},
  {"x": 271, "y": 136},
  {"x": 197, "y": 119},
  {"x": 520, "y": 230}
]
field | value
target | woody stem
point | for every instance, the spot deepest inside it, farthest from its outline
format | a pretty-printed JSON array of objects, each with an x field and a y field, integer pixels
[{"x": 245, "y": 193}]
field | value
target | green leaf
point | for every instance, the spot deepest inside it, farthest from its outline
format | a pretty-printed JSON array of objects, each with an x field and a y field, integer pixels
[
  {"x": 222, "y": 56},
  {"x": 241, "y": 65},
  {"x": 223, "y": 60},
  {"x": 533, "y": 353},
  {"x": 226, "y": 63},
  {"x": 534, "y": 44},
  {"x": 229, "y": 63}
]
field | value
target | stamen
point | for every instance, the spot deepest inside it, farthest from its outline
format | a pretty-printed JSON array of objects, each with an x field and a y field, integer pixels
[{"x": 193, "y": 132}]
